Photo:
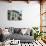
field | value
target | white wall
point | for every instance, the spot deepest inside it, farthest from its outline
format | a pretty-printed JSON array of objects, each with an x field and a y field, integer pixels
[{"x": 30, "y": 14}]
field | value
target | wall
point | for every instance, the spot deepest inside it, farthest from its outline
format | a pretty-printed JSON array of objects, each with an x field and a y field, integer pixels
[{"x": 30, "y": 14}]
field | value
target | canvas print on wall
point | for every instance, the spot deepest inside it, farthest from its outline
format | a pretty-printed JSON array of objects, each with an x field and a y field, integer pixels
[{"x": 14, "y": 15}]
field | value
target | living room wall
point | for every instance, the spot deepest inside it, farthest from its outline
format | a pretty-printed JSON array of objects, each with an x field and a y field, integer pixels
[{"x": 30, "y": 14}]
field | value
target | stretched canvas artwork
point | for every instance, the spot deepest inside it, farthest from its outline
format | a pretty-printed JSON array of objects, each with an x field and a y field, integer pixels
[{"x": 14, "y": 15}]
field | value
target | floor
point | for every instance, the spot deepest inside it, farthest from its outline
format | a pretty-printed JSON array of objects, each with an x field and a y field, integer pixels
[{"x": 35, "y": 43}]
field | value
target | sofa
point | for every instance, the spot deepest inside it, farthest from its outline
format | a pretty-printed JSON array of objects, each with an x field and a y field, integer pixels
[
  {"x": 18, "y": 35},
  {"x": 22, "y": 34}
]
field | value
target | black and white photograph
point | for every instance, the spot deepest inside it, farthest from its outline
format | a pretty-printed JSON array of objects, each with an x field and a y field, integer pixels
[{"x": 14, "y": 15}]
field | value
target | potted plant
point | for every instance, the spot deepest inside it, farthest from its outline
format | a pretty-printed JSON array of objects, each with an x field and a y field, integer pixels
[{"x": 37, "y": 33}]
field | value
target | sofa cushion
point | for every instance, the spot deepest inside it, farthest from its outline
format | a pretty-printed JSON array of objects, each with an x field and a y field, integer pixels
[{"x": 17, "y": 30}]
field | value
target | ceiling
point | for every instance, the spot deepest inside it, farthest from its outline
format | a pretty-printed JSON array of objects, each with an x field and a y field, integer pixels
[
  {"x": 20, "y": 0},
  {"x": 24, "y": 0}
]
